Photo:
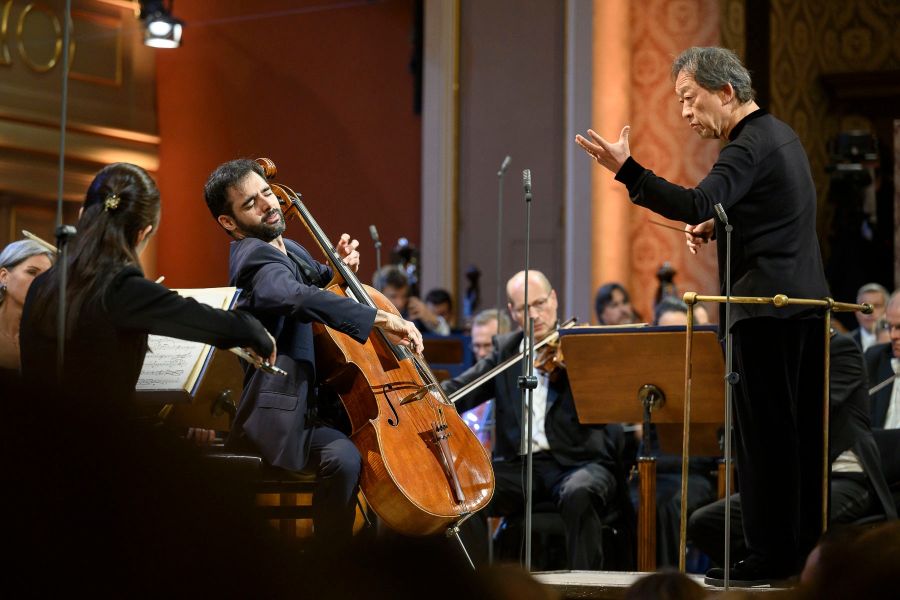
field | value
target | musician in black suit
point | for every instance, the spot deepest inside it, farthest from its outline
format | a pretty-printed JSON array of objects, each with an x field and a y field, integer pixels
[
  {"x": 762, "y": 181},
  {"x": 281, "y": 285},
  {"x": 576, "y": 466},
  {"x": 858, "y": 486},
  {"x": 866, "y": 335},
  {"x": 883, "y": 361}
]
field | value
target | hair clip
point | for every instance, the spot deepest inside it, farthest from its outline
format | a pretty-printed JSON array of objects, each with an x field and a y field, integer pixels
[{"x": 111, "y": 202}]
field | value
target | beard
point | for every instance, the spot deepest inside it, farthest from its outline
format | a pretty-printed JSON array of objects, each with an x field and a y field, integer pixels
[{"x": 266, "y": 231}]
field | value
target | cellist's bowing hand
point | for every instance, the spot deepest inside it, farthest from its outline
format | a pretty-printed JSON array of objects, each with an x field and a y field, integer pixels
[
  {"x": 347, "y": 250},
  {"x": 401, "y": 331}
]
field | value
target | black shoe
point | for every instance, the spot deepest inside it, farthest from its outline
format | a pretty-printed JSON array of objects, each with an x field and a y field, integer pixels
[{"x": 753, "y": 571}]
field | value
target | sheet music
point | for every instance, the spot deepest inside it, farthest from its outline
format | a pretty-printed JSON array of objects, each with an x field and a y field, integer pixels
[
  {"x": 169, "y": 363},
  {"x": 174, "y": 364}
]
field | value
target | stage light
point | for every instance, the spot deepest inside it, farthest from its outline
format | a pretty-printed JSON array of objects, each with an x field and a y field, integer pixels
[{"x": 161, "y": 29}]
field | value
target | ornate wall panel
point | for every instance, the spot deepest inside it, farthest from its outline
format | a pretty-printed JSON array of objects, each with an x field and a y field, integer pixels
[
  {"x": 111, "y": 103},
  {"x": 660, "y": 140},
  {"x": 810, "y": 38}
]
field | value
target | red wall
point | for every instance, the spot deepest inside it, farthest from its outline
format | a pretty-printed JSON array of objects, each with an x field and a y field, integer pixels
[{"x": 322, "y": 88}]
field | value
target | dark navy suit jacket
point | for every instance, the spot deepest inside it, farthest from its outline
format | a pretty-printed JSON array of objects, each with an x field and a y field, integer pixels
[{"x": 285, "y": 294}]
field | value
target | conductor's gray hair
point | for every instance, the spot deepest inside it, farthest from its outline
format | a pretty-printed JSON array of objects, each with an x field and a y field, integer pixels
[{"x": 713, "y": 67}]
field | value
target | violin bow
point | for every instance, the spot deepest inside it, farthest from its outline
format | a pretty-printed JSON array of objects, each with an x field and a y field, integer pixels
[{"x": 455, "y": 396}]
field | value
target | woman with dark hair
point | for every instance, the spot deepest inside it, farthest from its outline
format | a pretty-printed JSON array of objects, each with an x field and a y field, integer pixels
[
  {"x": 20, "y": 263},
  {"x": 111, "y": 308}
]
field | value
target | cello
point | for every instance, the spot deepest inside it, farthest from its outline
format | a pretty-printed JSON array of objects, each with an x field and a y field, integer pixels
[{"x": 423, "y": 469}]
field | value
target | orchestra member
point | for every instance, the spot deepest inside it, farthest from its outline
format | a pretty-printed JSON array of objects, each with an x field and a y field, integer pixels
[
  {"x": 20, "y": 263},
  {"x": 576, "y": 466},
  {"x": 282, "y": 286},
  {"x": 110, "y": 307}
]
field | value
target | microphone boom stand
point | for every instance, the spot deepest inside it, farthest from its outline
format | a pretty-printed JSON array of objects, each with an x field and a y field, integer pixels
[
  {"x": 63, "y": 232},
  {"x": 500, "y": 172},
  {"x": 731, "y": 379},
  {"x": 527, "y": 382}
]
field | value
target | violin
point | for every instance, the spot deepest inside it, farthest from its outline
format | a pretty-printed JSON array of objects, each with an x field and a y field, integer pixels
[
  {"x": 423, "y": 469},
  {"x": 513, "y": 360},
  {"x": 549, "y": 359}
]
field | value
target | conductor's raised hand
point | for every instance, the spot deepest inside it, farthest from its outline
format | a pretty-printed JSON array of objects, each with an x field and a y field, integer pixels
[
  {"x": 347, "y": 250},
  {"x": 611, "y": 155},
  {"x": 403, "y": 332},
  {"x": 699, "y": 235}
]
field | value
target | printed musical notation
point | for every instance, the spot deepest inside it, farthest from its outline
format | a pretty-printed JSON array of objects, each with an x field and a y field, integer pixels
[{"x": 177, "y": 365}]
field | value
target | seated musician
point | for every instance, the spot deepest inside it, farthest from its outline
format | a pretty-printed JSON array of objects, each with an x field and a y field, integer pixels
[
  {"x": 577, "y": 467},
  {"x": 485, "y": 326},
  {"x": 111, "y": 307},
  {"x": 20, "y": 263},
  {"x": 281, "y": 285},
  {"x": 858, "y": 486}
]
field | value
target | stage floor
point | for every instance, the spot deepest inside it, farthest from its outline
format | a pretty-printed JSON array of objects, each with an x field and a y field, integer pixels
[{"x": 609, "y": 584}]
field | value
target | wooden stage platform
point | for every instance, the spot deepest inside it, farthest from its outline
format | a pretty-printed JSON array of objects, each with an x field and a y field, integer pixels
[{"x": 609, "y": 584}]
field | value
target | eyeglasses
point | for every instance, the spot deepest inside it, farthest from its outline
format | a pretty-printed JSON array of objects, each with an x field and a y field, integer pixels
[
  {"x": 537, "y": 305},
  {"x": 886, "y": 326}
]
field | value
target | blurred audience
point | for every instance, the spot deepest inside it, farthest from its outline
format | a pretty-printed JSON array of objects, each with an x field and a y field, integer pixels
[
  {"x": 440, "y": 303},
  {"x": 854, "y": 562},
  {"x": 665, "y": 585},
  {"x": 394, "y": 284}
]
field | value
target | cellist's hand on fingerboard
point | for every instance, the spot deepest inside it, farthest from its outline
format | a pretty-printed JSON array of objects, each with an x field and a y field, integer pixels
[{"x": 403, "y": 332}]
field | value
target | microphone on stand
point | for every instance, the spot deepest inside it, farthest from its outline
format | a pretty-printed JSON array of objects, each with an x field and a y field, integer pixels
[
  {"x": 374, "y": 233},
  {"x": 731, "y": 379},
  {"x": 526, "y": 182},
  {"x": 500, "y": 172},
  {"x": 504, "y": 165},
  {"x": 527, "y": 382},
  {"x": 720, "y": 212}
]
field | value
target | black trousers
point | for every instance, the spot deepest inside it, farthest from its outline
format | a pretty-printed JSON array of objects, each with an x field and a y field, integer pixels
[
  {"x": 336, "y": 463},
  {"x": 851, "y": 499},
  {"x": 778, "y": 412},
  {"x": 583, "y": 495}
]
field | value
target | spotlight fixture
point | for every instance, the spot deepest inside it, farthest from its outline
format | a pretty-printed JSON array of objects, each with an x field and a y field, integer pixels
[{"x": 161, "y": 29}]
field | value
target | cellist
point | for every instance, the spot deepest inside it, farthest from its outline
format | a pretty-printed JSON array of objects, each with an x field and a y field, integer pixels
[
  {"x": 576, "y": 466},
  {"x": 281, "y": 285}
]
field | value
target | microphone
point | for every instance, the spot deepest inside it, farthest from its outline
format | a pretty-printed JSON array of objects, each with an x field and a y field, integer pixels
[
  {"x": 374, "y": 233},
  {"x": 504, "y": 165},
  {"x": 720, "y": 212},
  {"x": 526, "y": 182}
]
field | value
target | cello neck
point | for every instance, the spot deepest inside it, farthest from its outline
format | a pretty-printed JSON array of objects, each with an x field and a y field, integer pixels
[{"x": 346, "y": 273}]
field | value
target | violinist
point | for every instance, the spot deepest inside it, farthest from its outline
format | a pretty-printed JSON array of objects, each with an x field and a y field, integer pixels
[
  {"x": 576, "y": 467},
  {"x": 111, "y": 307},
  {"x": 281, "y": 285}
]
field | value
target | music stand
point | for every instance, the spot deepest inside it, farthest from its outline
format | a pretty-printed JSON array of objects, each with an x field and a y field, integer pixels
[
  {"x": 627, "y": 374},
  {"x": 215, "y": 402}
]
